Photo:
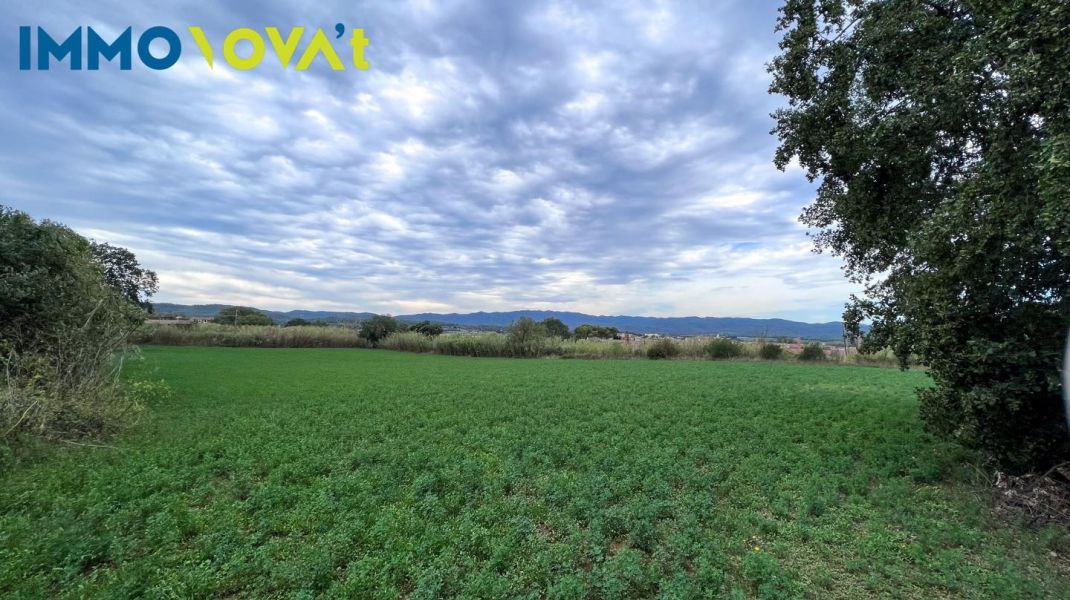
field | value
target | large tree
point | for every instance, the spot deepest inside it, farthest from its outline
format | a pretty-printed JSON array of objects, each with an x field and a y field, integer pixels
[
  {"x": 939, "y": 131},
  {"x": 378, "y": 327}
]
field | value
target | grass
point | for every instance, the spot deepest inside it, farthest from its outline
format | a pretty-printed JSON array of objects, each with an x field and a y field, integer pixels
[
  {"x": 261, "y": 336},
  {"x": 370, "y": 474}
]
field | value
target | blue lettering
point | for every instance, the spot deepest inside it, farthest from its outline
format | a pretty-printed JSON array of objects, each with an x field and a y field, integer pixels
[
  {"x": 46, "y": 46},
  {"x": 97, "y": 47},
  {"x": 174, "y": 48},
  {"x": 24, "y": 48}
]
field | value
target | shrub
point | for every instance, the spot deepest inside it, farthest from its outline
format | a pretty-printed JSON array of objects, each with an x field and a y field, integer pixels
[
  {"x": 812, "y": 351},
  {"x": 663, "y": 348},
  {"x": 721, "y": 348},
  {"x": 770, "y": 351},
  {"x": 67, "y": 308}
]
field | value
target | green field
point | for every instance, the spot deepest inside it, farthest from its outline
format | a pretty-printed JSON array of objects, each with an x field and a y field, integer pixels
[{"x": 374, "y": 474}]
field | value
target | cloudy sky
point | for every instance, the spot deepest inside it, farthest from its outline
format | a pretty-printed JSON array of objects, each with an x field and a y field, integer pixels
[{"x": 610, "y": 158}]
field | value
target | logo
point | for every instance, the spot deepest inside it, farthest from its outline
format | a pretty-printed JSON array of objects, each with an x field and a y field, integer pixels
[{"x": 94, "y": 49}]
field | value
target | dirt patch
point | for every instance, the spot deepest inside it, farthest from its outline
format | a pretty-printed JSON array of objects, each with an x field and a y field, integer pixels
[{"x": 1039, "y": 498}]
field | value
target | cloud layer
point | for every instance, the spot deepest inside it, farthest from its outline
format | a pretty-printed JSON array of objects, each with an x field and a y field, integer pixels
[{"x": 603, "y": 157}]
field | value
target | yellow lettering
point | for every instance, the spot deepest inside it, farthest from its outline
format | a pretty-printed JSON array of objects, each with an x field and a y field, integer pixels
[
  {"x": 320, "y": 44},
  {"x": 285, "y": 50},
  {"x": 243, "y": 64}
]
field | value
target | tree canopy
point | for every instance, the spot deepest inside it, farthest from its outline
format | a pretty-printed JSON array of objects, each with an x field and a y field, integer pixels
[
  {"x": 555, "y": 327},
  {"x": 595, "y": 331},
  {"x": 378, "y": 327},
  {"x": 241, "y": 315},
  {"x": 428, "y": 328},
  {"x": 939, "y": 131},
  {"x": 123, "y": 272}
]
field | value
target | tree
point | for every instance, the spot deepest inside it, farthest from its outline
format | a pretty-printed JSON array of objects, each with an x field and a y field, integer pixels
[
  {"x": 586, "y": 331},
  {"x": 241, "y": 315},
  {"x": 297, "y": 322},
  {"x": 526, "y": 337},
  {"x": 555, "y": 327},
  {"x": 940, "y": 135},
  {"x": 427, "y": 328},
  {"x": 525, "y": 329},
  {"x": 378, "y": 327},
  {"x": 124, "y": 273}
]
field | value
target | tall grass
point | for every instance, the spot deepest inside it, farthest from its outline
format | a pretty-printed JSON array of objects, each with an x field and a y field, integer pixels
[
  {"x": 486, "y": 344},
  {"x": 262, "y": 336}
]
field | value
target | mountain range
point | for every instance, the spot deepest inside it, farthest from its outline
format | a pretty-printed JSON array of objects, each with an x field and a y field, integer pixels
[{"x": 726, "y": 326}]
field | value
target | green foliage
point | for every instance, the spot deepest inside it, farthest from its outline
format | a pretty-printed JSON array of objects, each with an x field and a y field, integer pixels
[
  {"x": 941, "y": 137},
  {"x": 146, "y": 391},
  {"x": 427, "y": 328},
  {"x": 378, "y": 327},
  {"x": 770, "y": 351},
  {"x": 527, "y": 339},
  {"x": 813, "y": 351},
  {"x": 662, "y": 348},
  {"x": 64, "y": 315},
  {"x": 123, "y": 272},
  {"x": 370, "y": 474},
  {"x": 586, "y": 331},
  {"x": 555, "y": 327},
  {"x": 721, "y": 348},
  {"x": 241, "y": 315},
  {"x": 297, "y": 322}
]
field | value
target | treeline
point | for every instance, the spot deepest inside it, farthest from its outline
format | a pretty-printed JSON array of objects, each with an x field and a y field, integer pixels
[{"x": 524, "y": 338}]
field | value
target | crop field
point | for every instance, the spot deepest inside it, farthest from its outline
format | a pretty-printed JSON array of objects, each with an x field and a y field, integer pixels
[{"x": 378, "y": 474}]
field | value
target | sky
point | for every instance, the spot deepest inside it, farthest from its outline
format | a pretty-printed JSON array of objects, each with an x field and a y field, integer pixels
[{"x": 607, "y": 158}]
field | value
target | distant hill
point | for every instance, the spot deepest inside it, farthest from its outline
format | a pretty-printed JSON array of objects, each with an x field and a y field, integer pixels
[{"x": 727, "y": 326}]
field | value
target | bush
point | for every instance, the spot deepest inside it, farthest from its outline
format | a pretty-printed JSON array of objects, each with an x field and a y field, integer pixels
[
  {"x": 812, "y": 351},
  {"x": 663, "y": 348},
  {"x": 770, "y": 351},
  {"x": 64, "y": 316},
  {"x": 721, "y": 348}
]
